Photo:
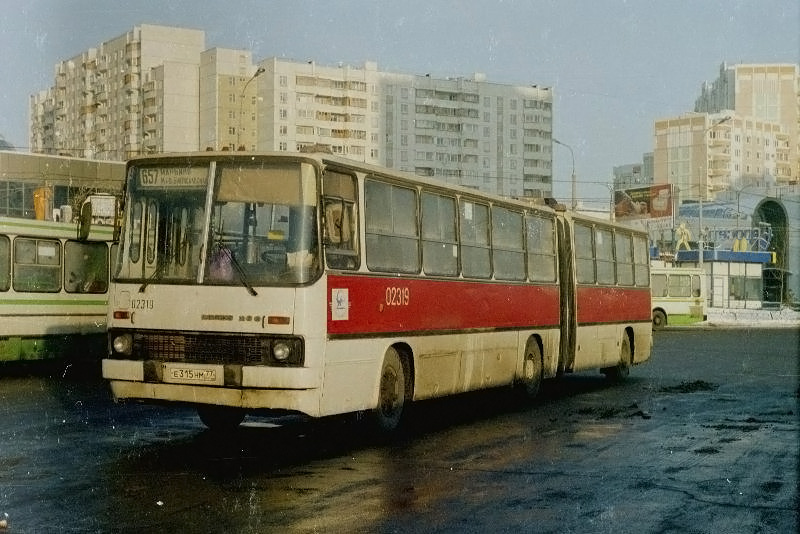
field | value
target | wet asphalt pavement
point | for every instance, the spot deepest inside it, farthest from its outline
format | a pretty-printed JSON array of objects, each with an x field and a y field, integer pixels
[{"x": 703, "y": 438}]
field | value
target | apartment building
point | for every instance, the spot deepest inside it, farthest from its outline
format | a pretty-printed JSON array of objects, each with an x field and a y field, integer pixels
[
  {"x": 472, "y": 132},
  {"x": 158, "y": 89},
  {"x": 228, "y": 100},
  {"x": 768, "y": 92},
  {"x": 136, "y": 93},
  {"x": 466, "y": 131},
  {"x": 303, "y": 104},
  {"x": 702, "y": 154}
]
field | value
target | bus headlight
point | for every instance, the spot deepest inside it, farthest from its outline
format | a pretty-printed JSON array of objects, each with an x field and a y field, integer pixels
[
  {"x": 123, "y": 344},
  {"x": 281, "y": 351}
]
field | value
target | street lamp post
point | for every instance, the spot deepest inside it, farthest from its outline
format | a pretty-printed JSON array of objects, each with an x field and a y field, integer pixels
[
  {"x": 255, "y": 75},
  {"x": 572, "y": 155}
]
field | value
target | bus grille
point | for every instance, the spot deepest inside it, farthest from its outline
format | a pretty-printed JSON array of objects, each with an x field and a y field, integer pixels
[{"x": 202, "y": 348}]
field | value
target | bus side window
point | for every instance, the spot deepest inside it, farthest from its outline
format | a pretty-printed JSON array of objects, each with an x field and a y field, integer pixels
[
  {"x": 439, "y": 243},
  {"x": 604, "y": 256},
  {"x": 391, "y": 228},
  {"x": 86, "y": 267},
  {"x": 584, "y": 255},
  {"x": 541, "y": 245},
  {"x": 507, "y": 244},
  {"x": 696, "y": 291},
  {"x": 474, "y": 240},
  {"x": 641, "y": 261},
  {"x": 37, "y": 265},
  {"x": 5, "y": 263},
  {"x": 659, "y": 285},
  {"x": 624, "y": 258}
]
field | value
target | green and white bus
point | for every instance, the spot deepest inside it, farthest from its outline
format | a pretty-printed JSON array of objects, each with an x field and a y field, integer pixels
[
  {"x": 53, "y": 289},
  {"x": 679, "y": 295}
]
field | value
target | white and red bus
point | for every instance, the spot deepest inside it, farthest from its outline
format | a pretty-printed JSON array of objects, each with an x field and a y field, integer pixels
[{"x": 315, "y": 284}]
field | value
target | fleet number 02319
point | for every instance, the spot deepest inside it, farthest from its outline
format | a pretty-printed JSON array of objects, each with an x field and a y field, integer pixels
[{"x": 397, "y": 296}]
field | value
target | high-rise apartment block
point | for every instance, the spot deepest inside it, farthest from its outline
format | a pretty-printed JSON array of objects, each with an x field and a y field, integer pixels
[
  {"x": 767, "y": 93},
  {"x": 466, "y": 131},
  {"x": 743, "y": 133},
  {"x": 134, "y": 94},
  {"x": 158, "y": 89},
  {"x": 702, "y": 154},
  {"x": 228, "y": 100}
]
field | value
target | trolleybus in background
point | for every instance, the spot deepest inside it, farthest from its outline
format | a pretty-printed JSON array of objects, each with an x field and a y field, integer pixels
[
  {"x": 53, "y": 290},
  {"x": 315, "y": 284},
  {"x": 678, "y": 294}
]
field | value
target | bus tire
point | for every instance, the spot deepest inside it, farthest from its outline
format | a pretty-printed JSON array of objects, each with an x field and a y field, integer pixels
[
  {"x": 659, "y": 319},
  {"x": 391, "y": 393},
  {"x": 620, "y": 372},
  {"x": 532, "y": 371},
  {"x": 220, "y": 418}
]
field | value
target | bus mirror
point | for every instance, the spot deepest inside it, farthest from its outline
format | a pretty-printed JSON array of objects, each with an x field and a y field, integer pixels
[{"x": 85, "y": 221}]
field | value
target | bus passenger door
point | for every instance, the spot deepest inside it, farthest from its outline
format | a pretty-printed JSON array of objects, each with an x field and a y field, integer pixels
[{"x": 566, "y": 276}]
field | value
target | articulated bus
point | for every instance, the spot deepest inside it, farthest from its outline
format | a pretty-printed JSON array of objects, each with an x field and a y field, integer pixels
[
  {"x": 53, "y": 290},
  {"x": 678, "y": 294},
  {"x": 311, "y": 283}
]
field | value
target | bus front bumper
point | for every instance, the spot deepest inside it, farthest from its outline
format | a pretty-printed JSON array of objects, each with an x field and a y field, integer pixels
[{"x": 272, "y": 388}]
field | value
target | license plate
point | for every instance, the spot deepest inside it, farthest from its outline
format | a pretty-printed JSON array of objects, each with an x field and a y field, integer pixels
[{"x": 210, "y": 375}]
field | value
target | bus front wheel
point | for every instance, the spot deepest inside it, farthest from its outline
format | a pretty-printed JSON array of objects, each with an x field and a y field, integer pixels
[
  {"x": 391, "y": 393},
  {"x": 220, "y": 418}
]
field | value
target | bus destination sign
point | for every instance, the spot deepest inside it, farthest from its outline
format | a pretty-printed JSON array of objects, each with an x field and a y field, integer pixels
[{"x": 173, "y": 177}]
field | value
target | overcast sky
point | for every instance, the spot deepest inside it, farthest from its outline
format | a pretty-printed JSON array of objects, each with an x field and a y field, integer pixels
[{"x": 615, "y": 65}]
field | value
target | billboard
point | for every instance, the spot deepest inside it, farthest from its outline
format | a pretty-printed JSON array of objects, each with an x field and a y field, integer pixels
[{"x": 654, "y": 201}]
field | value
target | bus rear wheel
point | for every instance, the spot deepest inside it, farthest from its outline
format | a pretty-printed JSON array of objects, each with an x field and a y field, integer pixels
[
  {"x": 620, "y": 372},
  {"x": 659, "y": 320},
  {"x": 220, "y": 418},
  {"x": 532, "y": 371},
  {"x": 391, "y": 393}
]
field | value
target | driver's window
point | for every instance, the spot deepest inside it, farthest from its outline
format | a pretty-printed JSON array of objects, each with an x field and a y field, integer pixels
[{"x": 340, "y": 224}]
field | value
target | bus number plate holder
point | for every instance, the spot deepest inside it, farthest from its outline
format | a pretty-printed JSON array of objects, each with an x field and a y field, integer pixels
[{"x": 187, "y": 373}]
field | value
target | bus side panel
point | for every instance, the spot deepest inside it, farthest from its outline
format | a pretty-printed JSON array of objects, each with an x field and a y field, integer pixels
[
  {"x": 362, "y": 305},
  {"x": 443, "y": 365},
  {"x": 642, "y": 342},
  {"x": 462, "y": 335},
  {"x": 603, "y": 314}
]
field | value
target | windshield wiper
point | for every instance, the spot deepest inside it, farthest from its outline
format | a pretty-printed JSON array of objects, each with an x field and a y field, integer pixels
[
  {"x": 239, "y": 270},
  {"x": 155, "y": 276}
]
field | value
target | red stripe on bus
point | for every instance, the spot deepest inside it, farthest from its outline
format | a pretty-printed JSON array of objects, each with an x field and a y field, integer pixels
[
  {"x": 374, "y": 304},
  {"x": 613, "y": 304}
]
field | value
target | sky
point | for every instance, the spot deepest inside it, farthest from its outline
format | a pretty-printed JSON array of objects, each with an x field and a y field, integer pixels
[{"x": 615, "y": 66}]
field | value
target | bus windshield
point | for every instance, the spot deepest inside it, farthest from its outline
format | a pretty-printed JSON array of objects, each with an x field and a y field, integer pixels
[{"x": 221, "y": 223}]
